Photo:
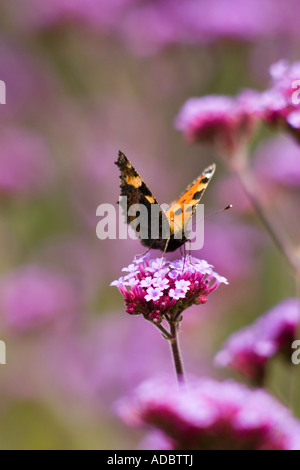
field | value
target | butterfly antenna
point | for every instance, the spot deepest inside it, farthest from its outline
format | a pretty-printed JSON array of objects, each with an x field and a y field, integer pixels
[
  {"x": 213, "y": 213},
  {"x": 218, "y": 212}
]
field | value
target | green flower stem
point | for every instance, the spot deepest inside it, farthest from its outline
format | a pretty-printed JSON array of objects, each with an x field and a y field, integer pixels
[{"x": 176, "y": 352}]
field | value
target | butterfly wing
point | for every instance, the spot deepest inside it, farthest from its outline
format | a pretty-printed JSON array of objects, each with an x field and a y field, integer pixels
[
  {"x": 137, "y": 193},
  {"x": 169, "y": 223},
  {"x": 182, "y": 210},
  {"x": 132, "y": 185}
]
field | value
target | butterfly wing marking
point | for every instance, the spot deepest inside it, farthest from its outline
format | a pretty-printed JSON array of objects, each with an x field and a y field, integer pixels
[
  {"x": 182, "y": 210},
  {"x": 176, "y": 217},
  {"x": 132, "y": 185},
  {"x": 136, "y": 191}
]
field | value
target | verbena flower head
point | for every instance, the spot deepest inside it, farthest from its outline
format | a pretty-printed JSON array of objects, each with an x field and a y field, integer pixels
[
  {"x": 211, "y": 415},
  {"x": 230, "y": 121},
  {"x": 283, "y": 75},
  {"x": 278, "y": 105},
  {"x": 249, "y": 350},
  {"x": 154, "y": 288},
  {"x": 217, "y": 120}
]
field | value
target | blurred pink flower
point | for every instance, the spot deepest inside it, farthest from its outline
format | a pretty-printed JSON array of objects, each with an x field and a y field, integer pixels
[
  {"x": 39, "y": 14},
  {"x": 277, "y": 105},
  {"x": 283, "y": 75},
  {"x": 293, "y": 120},
  {"x": 156, "y": 440},
  {"x": 246, "y": 353},
  {"x": 220, "y": 120},
  {"x": 247, "y": 20},
  {"x": 229, "y": 121},
  {"x": 210, "y": 415},
  {"x": 249, "y": 350},
  {"x": 149, "y": 26},
  {"x": 25, "y": 162},
  {"x": 31, "y": 297}
]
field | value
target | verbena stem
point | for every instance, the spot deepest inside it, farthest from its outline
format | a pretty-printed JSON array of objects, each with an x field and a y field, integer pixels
[
  {"x": 176, "y": 352},
  {"x": 165, "y": 332}
]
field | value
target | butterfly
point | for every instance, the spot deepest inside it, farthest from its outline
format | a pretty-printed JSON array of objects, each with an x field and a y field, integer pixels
[{"x": 168, "y": 234}]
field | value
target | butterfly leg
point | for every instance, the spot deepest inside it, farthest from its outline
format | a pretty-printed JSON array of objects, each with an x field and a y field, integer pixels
[
  {"x": 184, "y": 256},
  {"x": 143, "y": 254},
  {"x": 189, "y": 250},
  {"x": 164, "y": 253}
]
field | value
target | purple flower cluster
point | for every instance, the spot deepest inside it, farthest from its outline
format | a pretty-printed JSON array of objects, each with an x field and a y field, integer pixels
[
  {"x": 231, "y": 120},
  {"x": 216, "y": 119},
  {"x": 148, "y": 26},
  {"x": 249, "y": 350},
  {"x": 157, "y": 287},
  {"x": 211, "y": 415},
  {"x": 280, "y": 103}
]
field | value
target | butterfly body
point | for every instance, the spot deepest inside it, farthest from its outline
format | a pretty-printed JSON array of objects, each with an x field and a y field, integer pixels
[
  {"x": 166, "y": 231},
  {"x": 160, "y": 243}
]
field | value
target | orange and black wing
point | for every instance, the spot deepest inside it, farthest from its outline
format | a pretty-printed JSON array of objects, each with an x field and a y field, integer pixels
[
  {"x": 132, "y": 185},
  {"x": 181, "y": 211},
  {"x": 157, "y": 229},
  {"x": 139, "y": 195}
]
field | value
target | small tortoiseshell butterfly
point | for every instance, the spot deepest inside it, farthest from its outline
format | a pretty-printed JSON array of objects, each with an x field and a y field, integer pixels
[{"x": 175, "y": 218}]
